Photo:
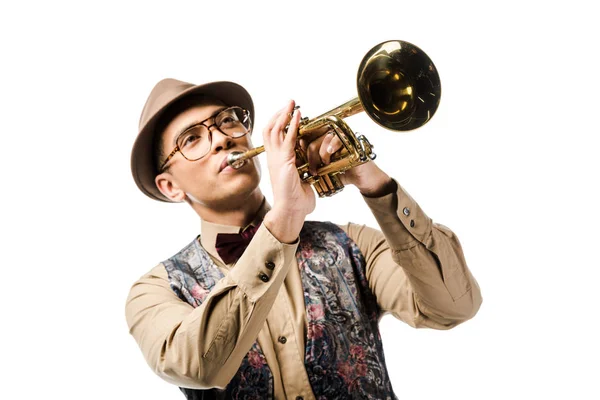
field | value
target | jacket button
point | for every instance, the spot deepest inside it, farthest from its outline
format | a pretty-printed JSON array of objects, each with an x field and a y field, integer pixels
[
  {"x": 282, "y": 339},
  {"x": 412, "y": 223},
  {"x": 406, "y": 211},
  {"x": 264, "y": 277},
  {"x": 270, "y": 265}
]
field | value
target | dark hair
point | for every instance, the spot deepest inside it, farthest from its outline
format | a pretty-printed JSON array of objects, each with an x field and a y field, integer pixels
[{"x": 165, "y": 118}]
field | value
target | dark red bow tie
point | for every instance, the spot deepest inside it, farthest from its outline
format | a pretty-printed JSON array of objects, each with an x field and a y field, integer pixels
[{"x": 231, "y": 246}]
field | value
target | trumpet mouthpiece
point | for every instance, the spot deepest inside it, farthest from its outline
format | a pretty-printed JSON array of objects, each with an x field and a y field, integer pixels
[{"x": 236, "y": 159}]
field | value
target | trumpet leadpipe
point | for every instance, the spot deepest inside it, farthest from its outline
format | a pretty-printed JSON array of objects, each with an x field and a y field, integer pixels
[{"x": 237, "y": 159}]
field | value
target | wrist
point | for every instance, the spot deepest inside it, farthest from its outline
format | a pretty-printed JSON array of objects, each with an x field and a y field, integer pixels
[
  {"x": 383, "y": 190},
  {"x": 378, "y": 183},
  {"x": 283, "y": 224}
]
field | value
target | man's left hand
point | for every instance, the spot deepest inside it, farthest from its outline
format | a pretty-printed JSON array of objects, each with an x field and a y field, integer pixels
[{"x": 370, "y": 180}]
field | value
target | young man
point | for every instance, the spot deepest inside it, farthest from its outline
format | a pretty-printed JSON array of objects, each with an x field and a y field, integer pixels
[{"x": 263, "y": 304}]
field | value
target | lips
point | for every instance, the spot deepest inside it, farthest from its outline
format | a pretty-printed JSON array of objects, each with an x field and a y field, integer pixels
[{"x": 223, "y": 163}]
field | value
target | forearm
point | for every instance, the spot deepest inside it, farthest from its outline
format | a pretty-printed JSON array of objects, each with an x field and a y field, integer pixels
[
  {"x": 440, "y": 285},
  {"x": 445, "y": 292},
  {"x": 203, "y": 347}
]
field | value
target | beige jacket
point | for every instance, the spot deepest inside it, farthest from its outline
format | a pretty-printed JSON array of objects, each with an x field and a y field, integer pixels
[{"x": 415, "y": 267}]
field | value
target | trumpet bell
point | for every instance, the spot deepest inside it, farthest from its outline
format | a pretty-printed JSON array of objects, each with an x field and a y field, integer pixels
[{"x": 398, "y": 86}]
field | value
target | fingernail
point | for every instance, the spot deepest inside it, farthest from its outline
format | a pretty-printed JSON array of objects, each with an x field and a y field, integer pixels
[{"x": 330, "y": 149}]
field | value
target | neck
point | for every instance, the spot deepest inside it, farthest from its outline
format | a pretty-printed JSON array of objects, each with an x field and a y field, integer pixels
[{"x": 240, "y": 214}]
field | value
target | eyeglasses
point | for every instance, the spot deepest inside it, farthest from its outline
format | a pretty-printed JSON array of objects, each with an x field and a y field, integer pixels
[{"x": 195, "y": 142}]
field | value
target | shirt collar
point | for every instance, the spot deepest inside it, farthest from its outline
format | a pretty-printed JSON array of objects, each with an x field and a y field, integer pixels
[{"x": 210, "y": 230}]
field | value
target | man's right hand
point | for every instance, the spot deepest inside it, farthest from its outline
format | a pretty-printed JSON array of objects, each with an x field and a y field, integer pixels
[{"x": 293, "y": 200}]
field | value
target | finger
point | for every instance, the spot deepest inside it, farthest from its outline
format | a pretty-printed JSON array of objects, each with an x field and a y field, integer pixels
[
  {"x": 271, "y": 122},
  {"x": 314, "y": 159},
  {"x": 325, "y": 156},
  {"x": 327, "y": 150},
  {"x": 283, "y": 119},
  {"x": 292, "y": 132},
  {"x": 301, "y": 158},
  {"x": 303, "y": 144},
  {"x": 275, "y": 135},
  {"x": 269, "y": 127}
]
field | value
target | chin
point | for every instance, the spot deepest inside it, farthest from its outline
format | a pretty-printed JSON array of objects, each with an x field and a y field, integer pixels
[
  {"x": 236, "y": 187},
  {"x": 247, "y": 183}
]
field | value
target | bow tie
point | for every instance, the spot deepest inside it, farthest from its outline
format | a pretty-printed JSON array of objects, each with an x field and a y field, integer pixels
[{"x": 231, "y": 246}]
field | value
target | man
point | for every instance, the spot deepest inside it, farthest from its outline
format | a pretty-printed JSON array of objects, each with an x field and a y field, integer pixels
[{"x": 295, "y": 313}]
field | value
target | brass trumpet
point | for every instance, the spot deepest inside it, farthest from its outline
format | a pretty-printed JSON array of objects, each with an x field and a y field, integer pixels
[{"x": 398, "y": 87}]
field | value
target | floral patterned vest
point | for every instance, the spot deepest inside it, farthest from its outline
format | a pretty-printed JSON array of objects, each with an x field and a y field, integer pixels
[{"x": 343, "y": 356}]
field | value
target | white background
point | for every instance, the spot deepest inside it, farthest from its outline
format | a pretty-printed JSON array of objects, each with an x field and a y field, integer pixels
[{"x": 509, "y": 162}]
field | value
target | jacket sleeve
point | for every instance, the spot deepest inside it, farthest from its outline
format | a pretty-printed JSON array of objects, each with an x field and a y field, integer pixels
[
  {"x": 203, "y": 347},
  {"x": 415, "y": 267}
]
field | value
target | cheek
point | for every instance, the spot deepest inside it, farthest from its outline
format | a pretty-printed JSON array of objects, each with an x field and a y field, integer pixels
[
  {"x": 257, "y": 166},
  {"x": 194, "y": 175},
  {"x": 247, "y": 141}
]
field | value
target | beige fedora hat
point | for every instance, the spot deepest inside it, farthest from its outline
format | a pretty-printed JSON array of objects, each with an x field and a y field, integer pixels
[{"x": 165, "y": 93}]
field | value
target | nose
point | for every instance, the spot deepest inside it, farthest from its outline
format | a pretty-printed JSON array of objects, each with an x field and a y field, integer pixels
[{"x": 220, "y": 141}]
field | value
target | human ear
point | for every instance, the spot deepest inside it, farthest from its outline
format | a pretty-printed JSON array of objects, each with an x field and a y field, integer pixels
[{"x": 164, "y": 182}]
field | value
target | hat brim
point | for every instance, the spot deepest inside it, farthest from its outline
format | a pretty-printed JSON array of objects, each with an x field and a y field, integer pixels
[{"x": 142, "y": 155}]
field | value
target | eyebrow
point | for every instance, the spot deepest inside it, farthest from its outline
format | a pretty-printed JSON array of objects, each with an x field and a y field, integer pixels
[{"x": 192, "y": 124}]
